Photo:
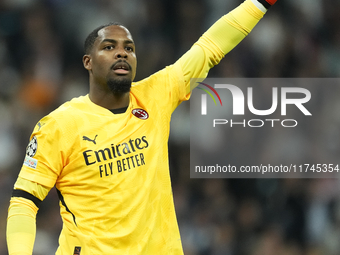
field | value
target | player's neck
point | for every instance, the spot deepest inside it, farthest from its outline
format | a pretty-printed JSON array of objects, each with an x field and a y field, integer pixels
[{"x": 110, "y": 100}]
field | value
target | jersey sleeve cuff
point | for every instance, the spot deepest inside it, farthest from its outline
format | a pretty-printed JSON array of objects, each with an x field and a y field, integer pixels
[
  {"x": 260, "y": 6},
  {"x": 32, "y": 176}
]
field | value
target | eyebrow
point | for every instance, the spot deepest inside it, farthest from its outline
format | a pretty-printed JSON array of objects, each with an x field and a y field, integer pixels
[{"x": 115, "y": 41}]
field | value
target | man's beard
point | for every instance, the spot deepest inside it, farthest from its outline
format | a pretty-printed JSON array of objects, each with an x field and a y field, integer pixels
[{"x": 119, "y": 86}]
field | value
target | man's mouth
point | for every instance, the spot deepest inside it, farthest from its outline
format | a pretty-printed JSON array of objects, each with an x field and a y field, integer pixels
[{"x": 121, "y": 68}]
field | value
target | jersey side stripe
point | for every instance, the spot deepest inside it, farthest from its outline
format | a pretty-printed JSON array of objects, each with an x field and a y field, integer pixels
[{"x": 61, "y": 198}]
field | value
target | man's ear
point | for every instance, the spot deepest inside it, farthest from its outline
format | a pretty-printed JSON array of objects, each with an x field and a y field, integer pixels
[{"x": 87, "y": 62}]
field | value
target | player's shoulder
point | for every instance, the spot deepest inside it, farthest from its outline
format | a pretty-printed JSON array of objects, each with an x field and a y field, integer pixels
[
  {"x": 70, "y": 108},
  {"x": 67, "y": 113},
  {"x": 63, "y": 122}
]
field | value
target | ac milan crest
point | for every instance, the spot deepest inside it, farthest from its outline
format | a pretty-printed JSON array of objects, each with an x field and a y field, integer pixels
[{"x": 140, "y": 113}]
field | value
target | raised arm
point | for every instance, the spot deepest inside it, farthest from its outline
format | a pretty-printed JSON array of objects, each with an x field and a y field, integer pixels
[{"x": 221, "y": 38}]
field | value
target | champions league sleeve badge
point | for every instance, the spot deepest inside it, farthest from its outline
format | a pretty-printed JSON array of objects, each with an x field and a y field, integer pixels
[{"x": 32, "y": 147}]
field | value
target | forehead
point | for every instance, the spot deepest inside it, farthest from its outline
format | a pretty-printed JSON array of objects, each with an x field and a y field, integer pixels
[{"x": 114, "y": 32}]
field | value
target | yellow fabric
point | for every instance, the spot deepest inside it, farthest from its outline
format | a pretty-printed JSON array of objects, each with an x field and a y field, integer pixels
[
  {"x": 115, "y": 171},
  {"x": 21, "y": 226},
  {"x": 112, "y": 169},
  {"x": 218, "y": 40},
  {"x": 242, "y": 22},
  {"x": 33, "y": 188}
]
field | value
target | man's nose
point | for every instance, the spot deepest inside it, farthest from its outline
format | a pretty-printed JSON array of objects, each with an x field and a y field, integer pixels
[{"x": 121, "y": 53}]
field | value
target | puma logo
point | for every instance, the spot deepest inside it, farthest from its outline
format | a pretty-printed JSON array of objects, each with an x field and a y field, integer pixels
[
  {"x": 85, "y": 138},
  {"x": 40, "y": 125}
]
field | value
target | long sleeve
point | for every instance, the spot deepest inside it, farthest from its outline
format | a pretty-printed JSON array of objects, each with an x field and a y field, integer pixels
[
  {"x": 218, "y": 40},
  {"x": 21, "y": 220},
  {"x": 21, "y": 226}
]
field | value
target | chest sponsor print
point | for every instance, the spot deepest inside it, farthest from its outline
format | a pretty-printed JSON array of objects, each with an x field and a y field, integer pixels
[{"x": 118, "y": 157}]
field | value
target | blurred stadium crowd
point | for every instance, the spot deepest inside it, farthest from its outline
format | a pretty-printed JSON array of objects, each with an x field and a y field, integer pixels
[{"x": 40, "y": 68}]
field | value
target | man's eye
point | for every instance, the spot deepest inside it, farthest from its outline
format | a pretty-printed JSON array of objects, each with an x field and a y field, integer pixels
[
  {"x": 129, "y": 48},
  {"x": 108, "y": 47}
]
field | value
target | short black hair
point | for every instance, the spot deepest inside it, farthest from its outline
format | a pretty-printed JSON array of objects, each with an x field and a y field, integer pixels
[{"x": 91, "y": 38}]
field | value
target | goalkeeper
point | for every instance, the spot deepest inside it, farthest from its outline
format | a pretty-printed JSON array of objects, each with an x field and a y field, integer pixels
[{"x": 106, "y": 153}]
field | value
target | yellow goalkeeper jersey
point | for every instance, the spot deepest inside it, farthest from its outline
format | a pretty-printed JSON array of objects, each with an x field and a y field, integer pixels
[{"x": 111, "y": 170}]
